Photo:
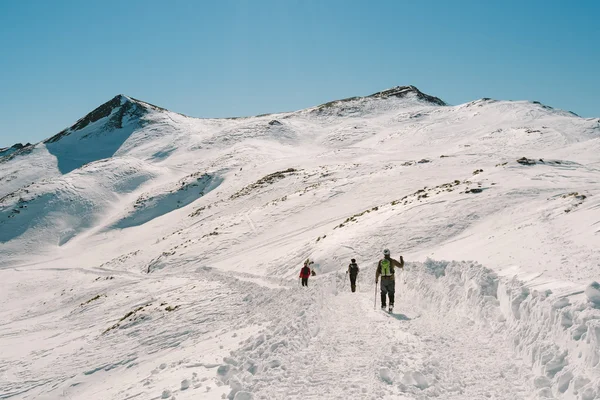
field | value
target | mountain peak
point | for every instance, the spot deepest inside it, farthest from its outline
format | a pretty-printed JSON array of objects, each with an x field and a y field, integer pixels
[
  {"x": 128, "y": 99},
  {"x": 123, "y": 99},
  {"x": 116, "y": 109},
  {"x": 15, "y": 148},
  {"x": 397, "y": 91},
  {"x": 403, "y": 91}
]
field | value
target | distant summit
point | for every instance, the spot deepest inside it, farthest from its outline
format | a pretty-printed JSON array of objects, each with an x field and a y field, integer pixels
[
  {"x": 398, "y": 92},
  {"x": 403, "y": 91},
  {"x": 5, "y": 151},
  {"x": 100, "y": 133},
  {"x": 97, "y": 135},
  {"x": 120, "y": 110}
]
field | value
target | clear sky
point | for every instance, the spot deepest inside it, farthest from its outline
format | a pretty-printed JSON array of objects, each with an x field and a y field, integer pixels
[{"x": 60, "y": 59}]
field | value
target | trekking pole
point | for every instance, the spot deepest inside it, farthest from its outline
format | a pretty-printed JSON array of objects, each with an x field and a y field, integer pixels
[{"x": 375, "y": 301}]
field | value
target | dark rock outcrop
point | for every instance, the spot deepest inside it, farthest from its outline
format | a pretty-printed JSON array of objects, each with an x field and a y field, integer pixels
[
  {"x": 398, "y": 91},
  {"x": 526, "y": 161},
  {"x": 8, "y": 153},
  {"x": 119, "y": 107},
  {"x": 403, "y": 91}
]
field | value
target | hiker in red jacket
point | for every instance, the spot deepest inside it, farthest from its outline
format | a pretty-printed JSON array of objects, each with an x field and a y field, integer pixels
[{"x": 305, "y": 272}]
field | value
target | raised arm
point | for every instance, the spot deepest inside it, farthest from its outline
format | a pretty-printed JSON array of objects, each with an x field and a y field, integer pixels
[{"x": 398, "y": 264}]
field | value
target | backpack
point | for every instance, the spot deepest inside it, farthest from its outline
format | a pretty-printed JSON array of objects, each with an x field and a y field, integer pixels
[
  {"x": 387, "y": 268},
  {"x": 353, "y": 268}
]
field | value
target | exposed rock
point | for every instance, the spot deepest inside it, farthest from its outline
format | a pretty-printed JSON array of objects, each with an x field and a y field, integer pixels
[
  {"x": 120, "y": 106},
  {"x": 265, "y": 180},
  {"x": 398, "y": 91},
  {"x": 18, "y": 149},
  {"x": 14, "y": 147},
  {"x": 403, "y": 91},
  {"x": 526, "y": 161}
]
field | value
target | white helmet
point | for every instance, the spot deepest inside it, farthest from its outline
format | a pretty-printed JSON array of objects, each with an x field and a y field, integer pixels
[{"x": 386, "y": 252}]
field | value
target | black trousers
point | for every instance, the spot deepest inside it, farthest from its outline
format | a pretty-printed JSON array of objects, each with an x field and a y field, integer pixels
[
  {"x": 388, "y": 289},
  {"x": 304, "y": 281},
  {"x": 353, "y": 283}
]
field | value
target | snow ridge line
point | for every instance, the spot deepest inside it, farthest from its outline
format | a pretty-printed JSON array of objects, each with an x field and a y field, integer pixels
[{"x": 548, "y": 332}]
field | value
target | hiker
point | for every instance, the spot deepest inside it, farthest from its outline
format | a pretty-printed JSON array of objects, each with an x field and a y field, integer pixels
[
  {"x": 305, "y": 272},
  {"x": 353, "y": 271},
  {"x": 386, "y": 269}
]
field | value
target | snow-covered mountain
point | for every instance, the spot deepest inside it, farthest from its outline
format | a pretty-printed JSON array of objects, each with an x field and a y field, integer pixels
[{"x": 147, "y": 254}]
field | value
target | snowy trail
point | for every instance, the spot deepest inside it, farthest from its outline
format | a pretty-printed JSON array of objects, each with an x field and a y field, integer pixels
[
  {"x": 443, "y": 340},
  {"x": 342, "y": 360},
  {"x": 354, "y": 351}
]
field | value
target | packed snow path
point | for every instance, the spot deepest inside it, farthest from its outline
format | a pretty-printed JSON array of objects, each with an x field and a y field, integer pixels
[
  {"x": 357, "y": 351},
  {"x": 459, "y": 331}
]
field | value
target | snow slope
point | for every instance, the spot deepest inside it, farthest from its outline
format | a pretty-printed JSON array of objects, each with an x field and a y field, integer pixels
[{"x": 146, "y": 254}]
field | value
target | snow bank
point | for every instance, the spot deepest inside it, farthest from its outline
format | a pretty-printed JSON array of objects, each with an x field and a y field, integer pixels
[{"x": 559, "y": 338}]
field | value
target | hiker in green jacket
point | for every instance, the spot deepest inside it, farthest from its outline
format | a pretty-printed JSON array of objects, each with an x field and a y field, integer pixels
[{"x": 386, "y": 268}]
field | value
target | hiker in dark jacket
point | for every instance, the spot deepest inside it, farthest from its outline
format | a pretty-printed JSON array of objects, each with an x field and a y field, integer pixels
[
  {"x": 305, "y": 272},
  {"x": 386, "y": 269},
  {"x": 353, "y": 271}
]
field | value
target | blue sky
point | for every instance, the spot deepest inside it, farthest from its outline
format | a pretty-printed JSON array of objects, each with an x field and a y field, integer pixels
[{"x": 61, "y": 59}]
